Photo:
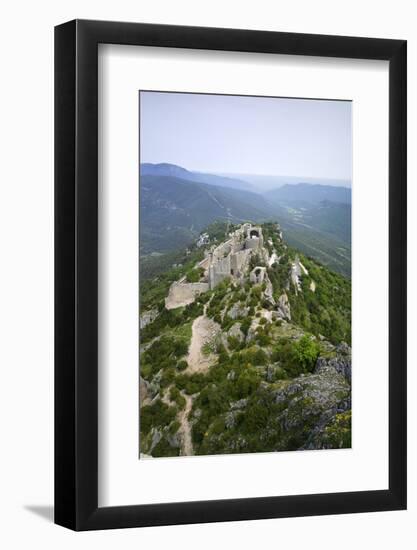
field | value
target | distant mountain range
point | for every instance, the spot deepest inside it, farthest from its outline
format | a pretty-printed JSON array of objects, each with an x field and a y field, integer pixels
[
  {"x": 265, "y": 183},
  {"x": 165, "y": 169},
  {"x": 173, "y": 210},
  {"x": 176, "y": 205},
  {"x": 306, "y": 194}
]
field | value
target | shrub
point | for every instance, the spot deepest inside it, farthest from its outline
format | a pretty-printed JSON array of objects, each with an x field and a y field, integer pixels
[
  {"x": 163, "y": 448},
  {"x": 296, "y": 357},
  {"x": 180, "y": 348},
  {"x": 256, "y": 293},
  {"x": 163, "y": 353},
  {"x": 233, "y": 342},
  {"x": 194, "y": 275},
  {"x": 227, "y": 323},
  {"x": 174, "y": 427},
  {"x": 159, "y": 414},
  {"x": 245, "y": 325},
  {"x": 192, "y": 383},
  {"x": 182, "y": 365},
  {"x": 168, "y": 376},
  {"x": 260, "y": 357},
  {"x": 220, "y": 348},
  {"x": 247, "y": 382},
  {"x": 263, "y": 339},
  {"x": 306, "y": 352},
  {"x": 176, "y": 396},
  {"x": 191, "y": 311},
  {"x": 338, "y": 433}
]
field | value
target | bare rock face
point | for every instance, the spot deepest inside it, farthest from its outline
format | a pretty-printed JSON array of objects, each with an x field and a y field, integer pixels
[
  {"x": 320, "y": 401},
  {"x": 316, "y": 392},
  {"x": 283, "y": 307},
  {"x": 273, "y": 372},
  {"x": 311, "y": 411},
  {"x": 230, "y": 420},
  {"x": 156, "y": 438},
  {"x": 153, "y": 388},
  {"x": 143, "y": 390},
  {"x": 333, "y": 429},
  {"x": 235, "y": 332},
  {"x": 341, "y": 362},
  {"x": 240, "y": 404},
  {"x": 268, "y": 292},
  {"x": 174, "y": 440},
  {"x": 237, "y": 310},
  {"x": 148, "y": 317},
  {"x": 251, "y": 335}
]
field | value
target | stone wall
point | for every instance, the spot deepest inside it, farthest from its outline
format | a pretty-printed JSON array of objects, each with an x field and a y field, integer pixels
[
  {"x": 231, "y": 257},
  {"x": 222, "y": 250},
  {"x": 181, "y": 294},
  {"x": 257, "y": 275},
  {"x": 218, "y": 271},
  {"x": 254, "y": 237},
  {"x": 239, "y": 261}
]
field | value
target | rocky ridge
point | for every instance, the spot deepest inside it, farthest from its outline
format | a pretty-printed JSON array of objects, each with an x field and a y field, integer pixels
[{"x": 265, "y": 382}]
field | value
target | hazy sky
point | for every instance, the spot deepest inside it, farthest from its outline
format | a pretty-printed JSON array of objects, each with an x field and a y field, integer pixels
[{"x": 271, "y": 136}]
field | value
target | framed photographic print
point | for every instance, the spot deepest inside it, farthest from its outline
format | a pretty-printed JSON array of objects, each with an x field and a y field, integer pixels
[{"x": 230, "y": 275}]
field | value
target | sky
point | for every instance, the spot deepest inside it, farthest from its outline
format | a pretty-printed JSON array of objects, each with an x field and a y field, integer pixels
[{"x": 247, "y": 135}]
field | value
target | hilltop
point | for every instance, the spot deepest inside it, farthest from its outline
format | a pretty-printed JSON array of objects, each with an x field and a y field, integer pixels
[{"x": 245, "y": 347}]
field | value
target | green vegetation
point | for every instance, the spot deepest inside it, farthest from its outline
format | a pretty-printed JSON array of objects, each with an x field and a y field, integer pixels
[
  {"x": 175, "y": 395},
  {"x": 296, "y": 357},
  {"x": 327, "y": 310},
  {"x": 194, "y": 275},
  {"x": 217, "y": 231},
  {"x": 319, "y": 225},
  {"x": 253, "y": 398},
  {"x": 325, "y": 248},
  {"x": 156, "y": 279},
  {"x": 174, "y": 320},
  {"x": 338, "y": 434},
  {"x": 182, "y": 365},
  {"x": 157, "y": 415},
  {"x": 164, "y": 353},
  {"x": 255, "y": 261},
  {"x": 163, "y": 448}
]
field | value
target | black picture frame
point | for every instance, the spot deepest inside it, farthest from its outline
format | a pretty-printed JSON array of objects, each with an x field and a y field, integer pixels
[{"x": 76, "y": 272}]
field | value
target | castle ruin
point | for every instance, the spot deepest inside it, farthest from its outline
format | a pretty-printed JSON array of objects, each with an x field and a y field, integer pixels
[
  {"x": 257, "y": 275},
  {"x": 229, "y": 259}
]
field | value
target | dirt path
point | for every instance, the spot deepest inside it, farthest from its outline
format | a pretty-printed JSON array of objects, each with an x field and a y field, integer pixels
[
  {"x": 185, "y": 428},
  {"x": 203, "y": 330}
]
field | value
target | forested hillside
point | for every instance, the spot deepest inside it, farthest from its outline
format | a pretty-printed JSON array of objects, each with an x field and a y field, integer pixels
[{"x": 176, "y": 205}]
